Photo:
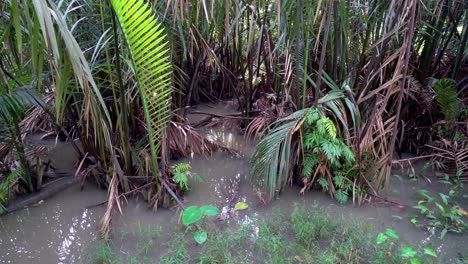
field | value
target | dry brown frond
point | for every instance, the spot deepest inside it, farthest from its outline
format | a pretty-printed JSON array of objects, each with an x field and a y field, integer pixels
[
  {"x": 184, "y": 140},
  {"x": 452, "y": 156},
  {"x": 37, "y": 119},
  {"x": 113, "y": 200}
]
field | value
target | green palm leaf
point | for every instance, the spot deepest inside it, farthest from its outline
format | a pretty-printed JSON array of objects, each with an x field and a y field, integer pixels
[
  {"x": 270, "y": 161},
  {"x": 148, "y": 48}
]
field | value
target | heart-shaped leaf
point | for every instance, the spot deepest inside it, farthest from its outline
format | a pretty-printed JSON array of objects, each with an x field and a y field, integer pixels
[
  {"x": 241, "y": 206},
  {"x": 408, "y": 252},
  {"x": 381, "y": 238},
  {"x": 200, "y": 236},
  {"x": 209, "y": 210},
  {"x": 191, "y": 215},
  {"x": 392, "y": 233}
]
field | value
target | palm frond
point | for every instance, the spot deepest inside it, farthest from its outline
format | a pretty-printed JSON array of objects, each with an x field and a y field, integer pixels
[
  {"x": 148, "y": 51},
  {"x": 270, "y": 161}
]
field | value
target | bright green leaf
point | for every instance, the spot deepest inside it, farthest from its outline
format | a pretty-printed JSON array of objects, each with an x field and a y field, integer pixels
[
  {"x": 408, "y": 252},
  {"x": 209, "y": 210},
  {"x": 430, "y": 252},
  {"x": 415, "y": 261},
  {"x": 191, "y": 215},
  {"x": 241, "y": 206},
  {"x": 392, "y": 233},
  {"x": 200, "y": 236},
  {"x": 381, "y": 238}
]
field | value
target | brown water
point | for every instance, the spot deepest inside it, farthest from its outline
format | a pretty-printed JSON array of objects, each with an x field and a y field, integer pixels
[{"x": 61, "y": 230}]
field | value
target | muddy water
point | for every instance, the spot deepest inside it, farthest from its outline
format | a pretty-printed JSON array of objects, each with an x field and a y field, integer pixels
[
  {"x": 56, "y": 231},
  {"x": 62, "y": 230}
]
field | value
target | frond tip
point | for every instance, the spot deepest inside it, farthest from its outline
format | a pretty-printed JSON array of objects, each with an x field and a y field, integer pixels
[{"x": 148, "y": 51}]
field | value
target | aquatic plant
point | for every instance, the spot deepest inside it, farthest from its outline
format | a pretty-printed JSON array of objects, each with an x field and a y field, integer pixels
[
  {"x": 191, "y": 217},
  {"x": 440, "y": 212},
  {"x": 181, "y": 173},
  {"x": 407, "y": 253}
]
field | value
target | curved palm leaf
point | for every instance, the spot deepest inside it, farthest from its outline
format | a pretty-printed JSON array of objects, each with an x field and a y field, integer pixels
[
  {"x": 148, "y": 48},
  {"x": 270, "y": 161}
]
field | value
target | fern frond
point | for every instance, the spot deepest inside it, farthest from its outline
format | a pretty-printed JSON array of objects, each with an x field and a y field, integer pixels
[
  {"x": 447, "y": 98},
  {"x": 148, "y": 51},
  {"x": 326, "y": 126},
  {"x": 310, "y": 161}
]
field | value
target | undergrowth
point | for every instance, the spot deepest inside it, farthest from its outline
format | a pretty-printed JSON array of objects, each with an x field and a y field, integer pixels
[{"x": 303, "y": 236}]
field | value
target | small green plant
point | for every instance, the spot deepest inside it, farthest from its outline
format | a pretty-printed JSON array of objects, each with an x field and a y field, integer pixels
[
  {"x": 447, "y": 98},
  {"x": 5, "y": 187},
  {"x": 326, "y": 155},
  {"x": 440, "y": 213},
  {"x": 181, "y": 173},
  {"x": 192, "y": 216},
  {"x": 409, "y": 254}
]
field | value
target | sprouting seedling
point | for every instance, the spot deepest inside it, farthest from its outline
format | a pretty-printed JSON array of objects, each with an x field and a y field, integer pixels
[{"x": 193, "y": 214}]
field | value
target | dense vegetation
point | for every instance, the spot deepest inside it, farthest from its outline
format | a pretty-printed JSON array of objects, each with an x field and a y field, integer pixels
[{"x": 333, "y": 89}]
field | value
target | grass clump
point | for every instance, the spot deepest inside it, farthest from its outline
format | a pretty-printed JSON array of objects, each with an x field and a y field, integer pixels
[{"x": 303, "y": 236}]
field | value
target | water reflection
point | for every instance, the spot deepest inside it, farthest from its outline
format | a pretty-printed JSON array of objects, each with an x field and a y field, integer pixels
[{"x": 55, "y": 232}]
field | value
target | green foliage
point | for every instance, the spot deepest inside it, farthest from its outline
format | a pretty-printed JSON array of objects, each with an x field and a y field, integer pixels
[
  {"x": 241, "y": 206},
  {"x": 194, "y": 214},
  {"x": 13, "y": 107},
  {"x": 322, "y": 149},
  {"x": 148, "y": 52},
  {"x": 5, "y": 186},
  {"x": 191, "y": 215},
  {"x": 320, "y": 137},
  {"x": 441, "y": 212},
  {"x": 447, "y": 98},
  {"x": 275, "y": 148},
  {"x": 200, "y": 236},
  {"x": 407, "y": 253},
  {"x": 180, "y": 174}
]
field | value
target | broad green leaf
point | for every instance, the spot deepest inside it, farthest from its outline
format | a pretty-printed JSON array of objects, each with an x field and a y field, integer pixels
[
  {"x": 381, "y": 238},
  {"x": 200, "y": 236},
  {"x": 430, "y": 252},
  {"x": 415, "y": 261},
  {"x": 241, "y": 206},
  {"x": 191, "y": 215},
  {"x": 392, "y": 233},
  {"x": 209, "y": 210},
  {"x": 443, "y": 233},
  {"x": 408, "y": 252}
]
